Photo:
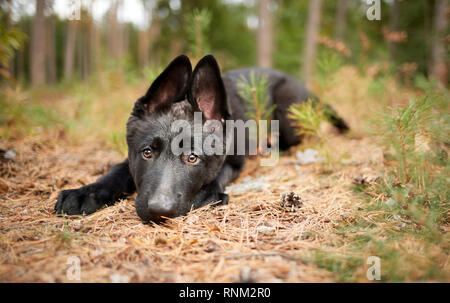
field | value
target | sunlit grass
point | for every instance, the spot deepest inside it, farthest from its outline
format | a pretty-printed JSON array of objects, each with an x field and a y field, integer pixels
[{"x": 96, "y": 110}]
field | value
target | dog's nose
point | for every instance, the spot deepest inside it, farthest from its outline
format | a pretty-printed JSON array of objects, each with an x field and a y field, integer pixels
[{"x": 162, "y": 209}]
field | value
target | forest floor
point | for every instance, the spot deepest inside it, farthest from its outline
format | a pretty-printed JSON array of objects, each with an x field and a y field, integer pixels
[{"x": 253, "y": 238}]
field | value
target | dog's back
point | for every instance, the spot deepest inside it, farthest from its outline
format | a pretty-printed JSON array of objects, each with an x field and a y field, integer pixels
[{"x": 283, "y": 91}]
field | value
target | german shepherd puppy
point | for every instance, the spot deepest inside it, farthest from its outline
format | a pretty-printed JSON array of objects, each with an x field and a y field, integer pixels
[{"x": 170, "y": 185}]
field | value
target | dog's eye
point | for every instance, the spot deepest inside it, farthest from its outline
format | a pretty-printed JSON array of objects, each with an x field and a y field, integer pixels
[
  {"x": 147, "y": 153},
  {"x": 192, "y": 158}
]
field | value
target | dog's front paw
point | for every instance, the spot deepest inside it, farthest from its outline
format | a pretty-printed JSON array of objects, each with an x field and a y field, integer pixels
[
  {"x": 83, "y": 200},
  {"x": 217, "y": 199},
  {"x": 224, "y": 198}
]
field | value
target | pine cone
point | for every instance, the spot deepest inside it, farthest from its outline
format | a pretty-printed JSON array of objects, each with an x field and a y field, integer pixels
[{"x": 291, "y": 200}]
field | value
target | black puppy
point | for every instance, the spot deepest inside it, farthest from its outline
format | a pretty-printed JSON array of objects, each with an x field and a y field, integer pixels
[{"x": 170, "y": 184}]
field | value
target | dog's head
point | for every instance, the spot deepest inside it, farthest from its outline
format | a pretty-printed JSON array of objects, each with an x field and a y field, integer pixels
[{"x": 167, "y": 182}]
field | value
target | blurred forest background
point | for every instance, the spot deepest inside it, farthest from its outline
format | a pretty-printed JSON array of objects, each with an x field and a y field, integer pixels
[{"x": 39, "y": 45}]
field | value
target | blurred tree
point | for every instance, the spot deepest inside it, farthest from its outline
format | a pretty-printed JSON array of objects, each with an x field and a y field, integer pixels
[
  {"x": 144, "y": 36},
  {"x": 312, "y": 31},
  {"x": 84, "y": 47},
  {"x": 69, "y": 57},
  {"x": 197, "y": 29},
  {"x": 144, "y": 47},
  {"x": 51, "y": 49},
  {"x": 38, "y": 46},
  {"x": 265, "y": 34},
  {"x": 154, "y": 33},
  {"x": 11, "y": 39},
  {"x": 440, "y": 62},
  {"x": 94, "y": 41},
  {"x": 91, "y": 42},
  {"x": 290, "y": 16},
  {"x": 341, "y": 14},
  {"x": 233, "y": 36},
  {"x": 114, "y": 31},
  {"x": 393, "y": 26},
  {"x": 9, "y": 25},
  {"x": 21, "y": 62}
]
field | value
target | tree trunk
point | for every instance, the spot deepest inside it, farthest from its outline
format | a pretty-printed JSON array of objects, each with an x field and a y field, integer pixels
[
  {"x": 155, "y": 31},
  {"x": 144, "y": 38},
  {"x": 393, "y": 26},
  {"x": 341, "y": 14},
  {"x": 143, "y": 47},
  {"x": 312, "y": 30},
  {"x": 37, "y": 53},
  {"x": 148, "y": 36},
  {"x": 265, "y": 34},
  {"x": 85, "y": 51},
  {"x": 69, "y": 58},
  {"x": 113, "y": 31},
  {"x": 439, "y": 67},
  {"x": 94, "y": 43},
  {"x": 124, "y": 40},
  {"x": 51, "y": 50},
  {"x": 20, "y": 58},
  {"x": 89, "y": 40},
  {"x": 9, "y": 25}
]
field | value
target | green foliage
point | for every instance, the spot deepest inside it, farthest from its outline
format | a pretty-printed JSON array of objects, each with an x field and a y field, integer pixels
[
  {"x": 377, "y": 87},
  {"x": 118, "y": 139},
  {"x": 18, "y": 112},
  {"x": 221, "y": 27},
  {"x": 423, "y": 118},
  {"x": 328, "y": 63},
  {"x": 150, "y": 73},
  {"x": 400, "y": 129},
  {"x": 257, "y": 102},
  {"x": 308, "y": 118},
  {"x": 198, "y": 25},
  {"x": 11, "y": 39},
  {"x": 409, "y": 204},
  {"x": 343, "y": 266},
  {"x": 254, "y": 92},
  {"x": 416, "y": 137},
  {"x": 290, "y": 17}
]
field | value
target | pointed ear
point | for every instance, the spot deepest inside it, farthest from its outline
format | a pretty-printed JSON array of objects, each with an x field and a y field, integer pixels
[
  {"x": 170, "y": 86},
  {"x": 206, "y": 90}
]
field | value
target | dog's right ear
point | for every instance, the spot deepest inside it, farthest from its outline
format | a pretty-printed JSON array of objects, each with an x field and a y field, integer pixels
[{"x": 169, "y": 87}]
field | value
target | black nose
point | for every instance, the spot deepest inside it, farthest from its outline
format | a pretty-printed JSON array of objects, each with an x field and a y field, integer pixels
[{"x": 162, "y": 209}]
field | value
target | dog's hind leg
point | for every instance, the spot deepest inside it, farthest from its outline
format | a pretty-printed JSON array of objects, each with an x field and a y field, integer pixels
[
  {"x": 115, "y": 185},
  {"x": 288, "y": 92}
]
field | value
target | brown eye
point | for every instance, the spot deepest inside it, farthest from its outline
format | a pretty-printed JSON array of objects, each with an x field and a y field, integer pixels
[
  {"x": 192, "y": 158},
  {"x": 147, "y": 153}
]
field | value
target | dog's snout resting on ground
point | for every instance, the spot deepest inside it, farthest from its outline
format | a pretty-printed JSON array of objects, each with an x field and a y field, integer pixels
[{"x": 170, "y": 184}]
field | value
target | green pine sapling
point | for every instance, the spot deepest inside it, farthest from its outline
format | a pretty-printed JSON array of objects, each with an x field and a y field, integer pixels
[{"x": 254, "y": 92}]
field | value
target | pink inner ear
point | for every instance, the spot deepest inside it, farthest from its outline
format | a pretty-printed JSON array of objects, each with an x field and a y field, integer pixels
[
  {"x": 207, "y": 105},
  {"x": 164, "y": 94},
  {"x": 160, "y": 97}
]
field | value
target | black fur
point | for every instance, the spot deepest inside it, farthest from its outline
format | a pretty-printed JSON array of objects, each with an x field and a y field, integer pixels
[{"x": 169, "y": 185}]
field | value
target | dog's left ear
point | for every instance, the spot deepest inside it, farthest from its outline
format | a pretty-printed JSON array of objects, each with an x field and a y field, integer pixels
[
  {"x": 170, "y": 86},
  {"x": 206, "y": 91}
]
